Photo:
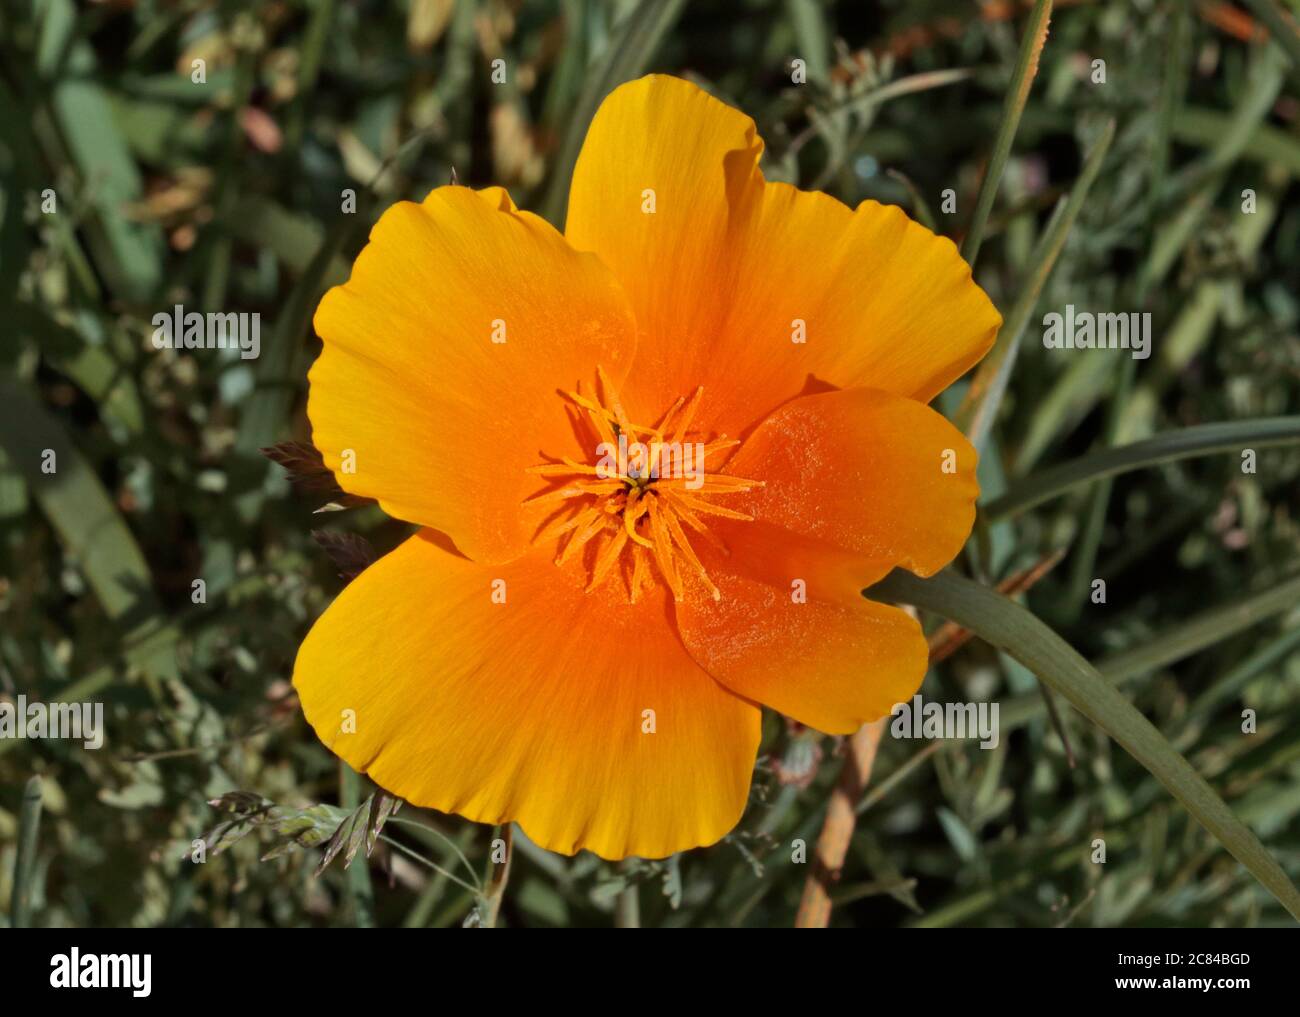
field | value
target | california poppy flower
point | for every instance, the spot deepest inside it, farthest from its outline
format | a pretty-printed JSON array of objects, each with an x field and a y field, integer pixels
[{"x": 579, "y": 640}]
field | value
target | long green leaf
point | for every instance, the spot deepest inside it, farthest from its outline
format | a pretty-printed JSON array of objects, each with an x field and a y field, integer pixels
[
  {"x": 1010, "y": 627},
  {"x": 1203, "y": 439},
  {"x": 92, "y": 531},
  {"x": 1230, "y": 684},
  {"x": 97, "y": 369},
  {"x": 1197, "y": 633}
]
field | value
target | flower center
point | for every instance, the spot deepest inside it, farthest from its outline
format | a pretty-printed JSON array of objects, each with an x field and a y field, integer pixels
[{"x": 644, "y": 488}]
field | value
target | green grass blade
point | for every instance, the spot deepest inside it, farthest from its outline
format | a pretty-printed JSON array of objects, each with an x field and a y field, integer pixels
[
  {"x": 150, "y": 647},
  {"x": 1184, "y": 640},
  {"x": 75, "y": 502},
  {"x": 29, "y": 823},
  {"x": 319, "y": 23},
  {"x": 829, "y": 124},
  {"x": 813, "y": 39},
  {"x": 1185, "y": 443},
  {"x": 1010, "y": 627},
  {"x": 1088, "y": 541},
  {"x": 360, "y": 890},
  {"x": 1267, "y": 74},
  {"x": 278, "y": 374},
  {"x": 1230, "y": 684},
  {"x": 97, "y": 369},
  {"x": 1281, "y": 25},
  {"x": 1021, "y": 82},
  {"x": 1172, "y": 91},
  {"x": 984, "y": 396},
  {"x": 1071, "y": 396},
  {"x": 128, "y": 253},
  {"x": 631, "y": 48},
  {"x": 1198, "y": 126},
  {"x": 1200, "y": 631},
  {"x": 294, "y": 239}
]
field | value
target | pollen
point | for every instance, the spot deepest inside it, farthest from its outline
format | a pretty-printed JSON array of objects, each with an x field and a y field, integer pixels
[{"x": 646, "y": 494}]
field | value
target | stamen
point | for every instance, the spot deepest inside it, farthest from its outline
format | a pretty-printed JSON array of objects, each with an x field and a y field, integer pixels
[
  {"x": 560, "y": 527},
  {"x": 663, "y": 550},
  {"x": 579, "y": 539},
  {"x": 698, "y": 525},
  {"x": 689, "y": 414},
  {"x": 647, "y": 507},
  {"x": 709, "y": 509},
  {"x": 716, "y": 484},
  {"x": 575, "y": 491},
  {"x": 675, "y": 528},
  {"x": 564, "y": 468},
  {"x": 615, "y": 406},
  {"x": 605, "y": 560},
  {"x": 636, "y": 508}
]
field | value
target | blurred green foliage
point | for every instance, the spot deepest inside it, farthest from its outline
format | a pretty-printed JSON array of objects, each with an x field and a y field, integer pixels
[{"x": 228, "y": 194}]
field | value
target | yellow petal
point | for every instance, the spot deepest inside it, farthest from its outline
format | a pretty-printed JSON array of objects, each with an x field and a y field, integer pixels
[
  {"x": 728, "y": 270},
  {"x": 831, "y": 660},
  {"x": 575, "y": 714},
  {"x": 882, "y": 476},
  {"x": 855, "y": 482},
  {"x": 442, "y": 357}
]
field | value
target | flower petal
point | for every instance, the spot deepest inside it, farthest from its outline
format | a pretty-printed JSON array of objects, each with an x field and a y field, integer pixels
[
  {"x": 438, "y": 420},
  {"x": 531, "y": 710},
  {"x": 833, "y": 664},
  {"x": 884, "y": 477},
  {"x": 728, "y": 269},
  {"x": 855, "y": 482}
]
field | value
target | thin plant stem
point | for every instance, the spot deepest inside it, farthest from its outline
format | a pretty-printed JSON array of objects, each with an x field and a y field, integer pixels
[{"x": 416, "y": 856}]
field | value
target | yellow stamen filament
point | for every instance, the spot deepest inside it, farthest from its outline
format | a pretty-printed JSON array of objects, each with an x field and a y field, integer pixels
[
  {"x": 640, "y": 573},
  {"x": 709, "y": 509},
  {"x": 606, "y": 559},
  {"x": 615, "y": 406},
  {"x": 636, "y": 508},
  {"x": 688, "y": 416},
  {"x": 642, "y": 508},
  {"x": 663, "y": 550}
]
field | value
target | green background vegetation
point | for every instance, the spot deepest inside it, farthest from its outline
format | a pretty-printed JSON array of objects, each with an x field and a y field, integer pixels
[{"x": 1117, "y": 196}]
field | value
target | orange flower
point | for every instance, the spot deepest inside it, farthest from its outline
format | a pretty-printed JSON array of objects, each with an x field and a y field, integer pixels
[{"x": 579, "y": 636}]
